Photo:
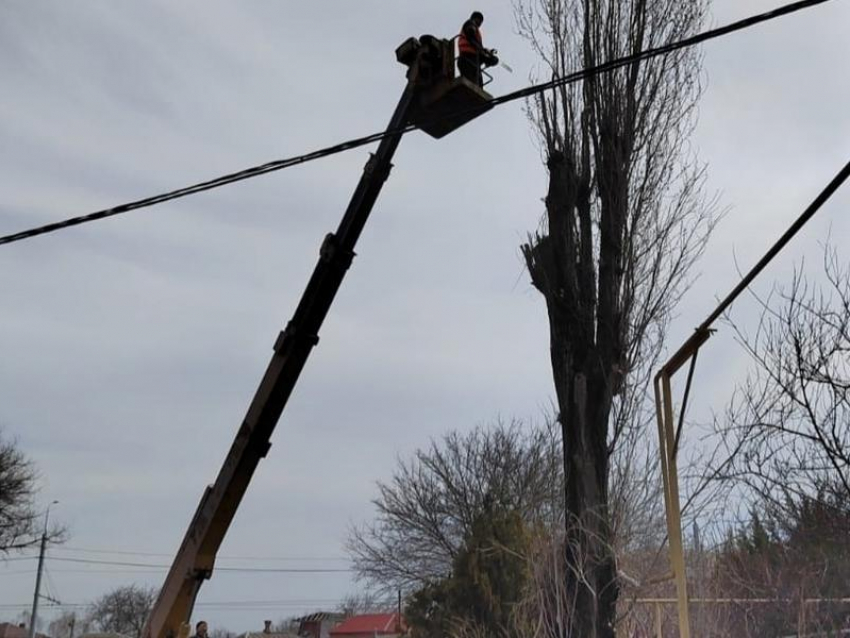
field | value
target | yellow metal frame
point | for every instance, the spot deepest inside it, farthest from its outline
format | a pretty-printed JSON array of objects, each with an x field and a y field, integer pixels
[
  {"x": 668, "y": 431},
  {"x": 670, "y": 476},
  {"x": 668, "y": 444}
]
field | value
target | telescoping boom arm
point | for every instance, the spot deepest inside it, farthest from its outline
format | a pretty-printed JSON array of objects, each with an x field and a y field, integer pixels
[{"x": 430, "y": 78}]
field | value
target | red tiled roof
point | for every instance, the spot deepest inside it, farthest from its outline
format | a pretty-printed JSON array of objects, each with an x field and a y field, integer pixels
[
  {"x": 380, "y": 624},
  {"x": 8, "y": 630}
]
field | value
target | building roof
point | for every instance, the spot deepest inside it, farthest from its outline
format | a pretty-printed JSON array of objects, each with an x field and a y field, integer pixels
[
  {"x": 377, "y": 624},
  {"x": 11, "y": 630},
  {"x": 321, "y": 616}
]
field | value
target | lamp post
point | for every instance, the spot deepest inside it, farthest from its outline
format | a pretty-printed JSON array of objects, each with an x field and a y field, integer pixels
[{"x": 35, "y": 597}]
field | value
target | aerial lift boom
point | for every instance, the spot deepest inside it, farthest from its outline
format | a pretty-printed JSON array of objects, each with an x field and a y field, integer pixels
[{"x": 434, "y": 100}]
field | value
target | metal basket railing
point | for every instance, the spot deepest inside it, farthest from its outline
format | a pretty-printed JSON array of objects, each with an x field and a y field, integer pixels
[{"x": 486, "y": 78}]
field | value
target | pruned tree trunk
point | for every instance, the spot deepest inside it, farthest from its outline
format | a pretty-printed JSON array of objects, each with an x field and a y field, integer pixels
[{"x": 625, "y": 220}]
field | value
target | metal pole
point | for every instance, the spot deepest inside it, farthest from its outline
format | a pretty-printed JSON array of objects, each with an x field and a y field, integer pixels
[
  {"x": 34, "y": 616},
  {"x": 664, "y": 407},
  {"x": 658, "y": 623},
  {"x": 674, "y": 520},
  {"x": 670, "y": 476}
]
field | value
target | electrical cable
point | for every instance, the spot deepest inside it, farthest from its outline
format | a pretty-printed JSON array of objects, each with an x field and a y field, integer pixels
[
  {"x": 277, "y": 165},
  {"x": 11, "y": 559},
  {"x": 334, "y": 559},
  {"x": 124, "y": 552},
  {"x": 280, "y": 570},
  {"x": 52, "y": 591},
  {"x": 222, "y": 604}
]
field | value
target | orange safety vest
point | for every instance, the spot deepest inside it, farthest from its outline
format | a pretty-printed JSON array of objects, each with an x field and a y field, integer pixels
[{"x": 465, "y": 47}]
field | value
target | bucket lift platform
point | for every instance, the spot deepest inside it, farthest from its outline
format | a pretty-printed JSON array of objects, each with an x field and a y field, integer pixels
[{"x": 446, "y": 101}]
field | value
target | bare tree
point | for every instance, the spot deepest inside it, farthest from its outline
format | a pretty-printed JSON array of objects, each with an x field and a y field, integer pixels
[
  {"x": 428, "y": 508},
  {"x": 788, "y": 566},
  {"x": 67, "y": 624},
  {"x": 787, "y": 430},
  {"x": 123, "y": 610},
  {"x": 366, "y": 603},
  {"x": 18, "y": 516},
  {"x": 625, "y": 222}
]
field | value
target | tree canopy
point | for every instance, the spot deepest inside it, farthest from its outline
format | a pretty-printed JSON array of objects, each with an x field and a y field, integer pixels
[
  {"x": 429, "y": 508},
  {"x": 18, "y": 516},
  {"x": 123, "y": 610},
  {"x": 487, "y": 581}
]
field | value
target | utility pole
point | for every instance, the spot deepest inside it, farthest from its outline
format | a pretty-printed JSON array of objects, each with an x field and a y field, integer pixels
[{"x": 35, "y": 597}]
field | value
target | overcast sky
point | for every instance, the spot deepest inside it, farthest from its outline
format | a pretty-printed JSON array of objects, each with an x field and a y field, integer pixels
[{"x": 131, "y": 347}]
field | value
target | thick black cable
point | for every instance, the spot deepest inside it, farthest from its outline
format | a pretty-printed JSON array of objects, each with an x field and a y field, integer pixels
[
  {"x": 277, "y": 165},
  {"x": 703, "y": 332},
  {"x": 660, "y": 50},
  {"x": 787, "y": 236},
  {"x": 197, "y": 188}
]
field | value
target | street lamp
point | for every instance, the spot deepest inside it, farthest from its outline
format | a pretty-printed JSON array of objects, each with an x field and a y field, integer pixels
[{"x": 35, "y": 597}]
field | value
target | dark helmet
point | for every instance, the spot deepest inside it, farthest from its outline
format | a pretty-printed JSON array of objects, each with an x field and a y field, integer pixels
[{"x": 477, "y": 15}]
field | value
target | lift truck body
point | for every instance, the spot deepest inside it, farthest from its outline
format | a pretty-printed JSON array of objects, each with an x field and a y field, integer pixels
[{"x": 435, "y": 100}]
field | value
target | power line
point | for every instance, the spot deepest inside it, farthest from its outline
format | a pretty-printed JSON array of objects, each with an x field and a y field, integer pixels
[
  {"x": 285, "y": 570},
  {"x": 223, "y": 604},
  {"x": 281, "y": 570},
  {"x": 218, "y": 603},
  {"x": 277, "y": 165},
  {"x": 50, "y": 586},
  {"x": 89, "y": 571},
  {"x": 125, "y": 552},
  {"x": 230, "y": 178}
]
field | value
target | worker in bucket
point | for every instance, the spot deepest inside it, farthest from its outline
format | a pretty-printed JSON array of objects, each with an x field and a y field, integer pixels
[
  {"x": 472, "y": 53},
  {"x": 201, "y": 629}
]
